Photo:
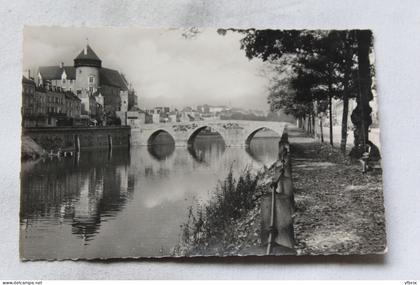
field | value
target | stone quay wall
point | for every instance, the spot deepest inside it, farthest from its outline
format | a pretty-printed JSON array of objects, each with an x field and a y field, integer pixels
[{"x": 67, "y": 138}]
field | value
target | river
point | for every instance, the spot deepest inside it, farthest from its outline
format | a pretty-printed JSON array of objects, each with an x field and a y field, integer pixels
[{"x": 127, "y": 203}]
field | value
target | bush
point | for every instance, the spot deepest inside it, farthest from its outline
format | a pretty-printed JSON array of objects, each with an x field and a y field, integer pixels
[{"x": 211, "y": 223}]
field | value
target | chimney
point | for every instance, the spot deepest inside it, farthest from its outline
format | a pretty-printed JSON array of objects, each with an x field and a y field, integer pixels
[
  {"x": 61, "y": 64},
  {"x": 85, "y": 50},
  {"x": 29, "y": 74}
]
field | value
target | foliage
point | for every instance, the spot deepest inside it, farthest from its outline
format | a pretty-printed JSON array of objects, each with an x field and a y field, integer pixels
[
  {"x": 317, "y": 58},
  {"x": 208, "y": 224},
  {"x": 324, "y": 66}
]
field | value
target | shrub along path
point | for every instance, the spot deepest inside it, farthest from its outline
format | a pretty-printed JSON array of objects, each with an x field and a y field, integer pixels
[{"x": 339, "y": 210}]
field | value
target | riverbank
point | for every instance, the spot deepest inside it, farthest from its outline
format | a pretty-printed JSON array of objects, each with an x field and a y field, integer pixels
[
  {"x": 339, "y": 210},
  {"x": 230, "y": 223},
  {"x": 30, "y": 149},
  {"x": 69, "y": 138}
]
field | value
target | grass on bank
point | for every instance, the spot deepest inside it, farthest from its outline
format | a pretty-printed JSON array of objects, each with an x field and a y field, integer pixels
[{"x": 209, "y": 229}]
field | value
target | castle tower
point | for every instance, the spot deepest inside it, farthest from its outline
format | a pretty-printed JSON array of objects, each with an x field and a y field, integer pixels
[{"x": 87, "y": 65}]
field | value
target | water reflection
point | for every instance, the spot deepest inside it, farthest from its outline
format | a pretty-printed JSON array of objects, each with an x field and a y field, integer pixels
[
  {"x": 126, "y": 203},
  {"x": 202, "y": 151},
  {"x": 161, "y": 151},
  {"x": 161, "y": 146},
  {"x": 82, "y": 194}
]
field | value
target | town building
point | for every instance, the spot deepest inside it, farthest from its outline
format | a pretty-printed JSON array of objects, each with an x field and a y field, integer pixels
[
  {"x": 42, "y": 107},
  {"x": 72, "y": 105},
  {"x": 29, "y": 105},
  {"x": 173, "y": 116},
  {"x": 136, "y": 117},
  {"x": 208, "y": 112},
  {"x": 88, "y": 79},
  {"x": 155, "y": 118}
]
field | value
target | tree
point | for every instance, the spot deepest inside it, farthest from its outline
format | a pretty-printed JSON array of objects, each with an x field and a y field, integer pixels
[
  {"x": 324, "y": 67},
  {"x": 361, "y": 117},
  {"x": 282, "y": 95}
]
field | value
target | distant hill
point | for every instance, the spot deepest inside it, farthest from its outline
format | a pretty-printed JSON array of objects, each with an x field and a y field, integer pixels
[{"x": 279, "y": 116}]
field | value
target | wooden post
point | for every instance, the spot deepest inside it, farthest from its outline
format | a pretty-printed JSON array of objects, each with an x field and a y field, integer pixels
[
  {"x": 272, "y": 228},
  {"x": 109, "y": 147},
  {"x": 76, "y": 143},
  {"x": 109, "y": 142},
  {"x": 76, "y": 158}
]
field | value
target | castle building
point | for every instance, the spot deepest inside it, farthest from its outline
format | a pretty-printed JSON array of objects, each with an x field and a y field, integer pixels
[{"x": 101, "y": 90}]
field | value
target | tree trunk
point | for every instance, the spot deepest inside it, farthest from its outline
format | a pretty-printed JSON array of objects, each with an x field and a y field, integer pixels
[
  {"x": 361, "y": 114},
  {"x": 346, "y": 93},
  {"x": 313, "y": 125},
  {"x": 321, "y": 131},
  {"x": 344, "y": 121},
  {"x": 331, "y": 119},
  {"x": 308, "y": 124}
]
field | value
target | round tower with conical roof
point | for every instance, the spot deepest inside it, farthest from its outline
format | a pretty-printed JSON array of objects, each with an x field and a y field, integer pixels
[{"x": 87, "y": 65}]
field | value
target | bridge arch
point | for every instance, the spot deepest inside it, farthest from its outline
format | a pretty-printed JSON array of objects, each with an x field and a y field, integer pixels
[
  {"x": 194, "y": 134},
  {"x": 156, "y": 133},
  {"x": 251, "y": 134}
]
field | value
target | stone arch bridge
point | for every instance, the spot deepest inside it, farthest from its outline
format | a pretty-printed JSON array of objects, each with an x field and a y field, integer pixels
[{"x": 234, "y": 132}]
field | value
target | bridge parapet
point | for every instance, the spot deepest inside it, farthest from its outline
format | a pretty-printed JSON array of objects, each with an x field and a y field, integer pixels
[{"x": 234, "y": 132}]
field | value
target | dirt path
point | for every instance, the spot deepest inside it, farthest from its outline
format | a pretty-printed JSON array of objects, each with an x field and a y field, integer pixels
[{"x": 339, "y": 210}]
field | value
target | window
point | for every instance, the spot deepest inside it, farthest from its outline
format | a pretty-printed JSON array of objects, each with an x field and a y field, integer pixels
[
  {"x": 91, "y": 89},
  {"x": 91, "y": 79},
  {"x": 63, "y": 81}
]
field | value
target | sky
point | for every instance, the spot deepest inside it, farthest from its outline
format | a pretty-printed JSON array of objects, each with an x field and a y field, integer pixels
[{"x": 164, "y": 67}]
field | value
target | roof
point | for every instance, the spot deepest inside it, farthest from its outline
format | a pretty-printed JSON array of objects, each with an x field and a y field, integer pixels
[
  {"x": 87, "y": 57},
  {"x": 107, "y": 76},
  {"x": 136, "y": 109},
  {"x": 70, "y": 72},
  {"x": 27, "y": 81},
  {"x": 112, "y": 77},
  {"x": 71, "y": 95},
  {"x": 55, "y": 72},
  {"x": 96, "y": 94},
  {"x": 87, "y": 53}
]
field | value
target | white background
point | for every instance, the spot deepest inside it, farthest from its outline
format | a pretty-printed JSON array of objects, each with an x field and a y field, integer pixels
[{"x": 396, "y": 25}]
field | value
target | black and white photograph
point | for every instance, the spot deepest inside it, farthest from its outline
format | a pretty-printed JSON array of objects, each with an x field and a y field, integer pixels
[{"x": 194, "y": 142}]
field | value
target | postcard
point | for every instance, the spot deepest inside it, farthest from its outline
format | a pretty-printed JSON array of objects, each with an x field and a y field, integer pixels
[{"x": 190, "y": 142}]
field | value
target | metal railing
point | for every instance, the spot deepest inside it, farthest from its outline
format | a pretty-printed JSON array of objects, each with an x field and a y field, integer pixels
[{"x": 282, "y": 191}]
